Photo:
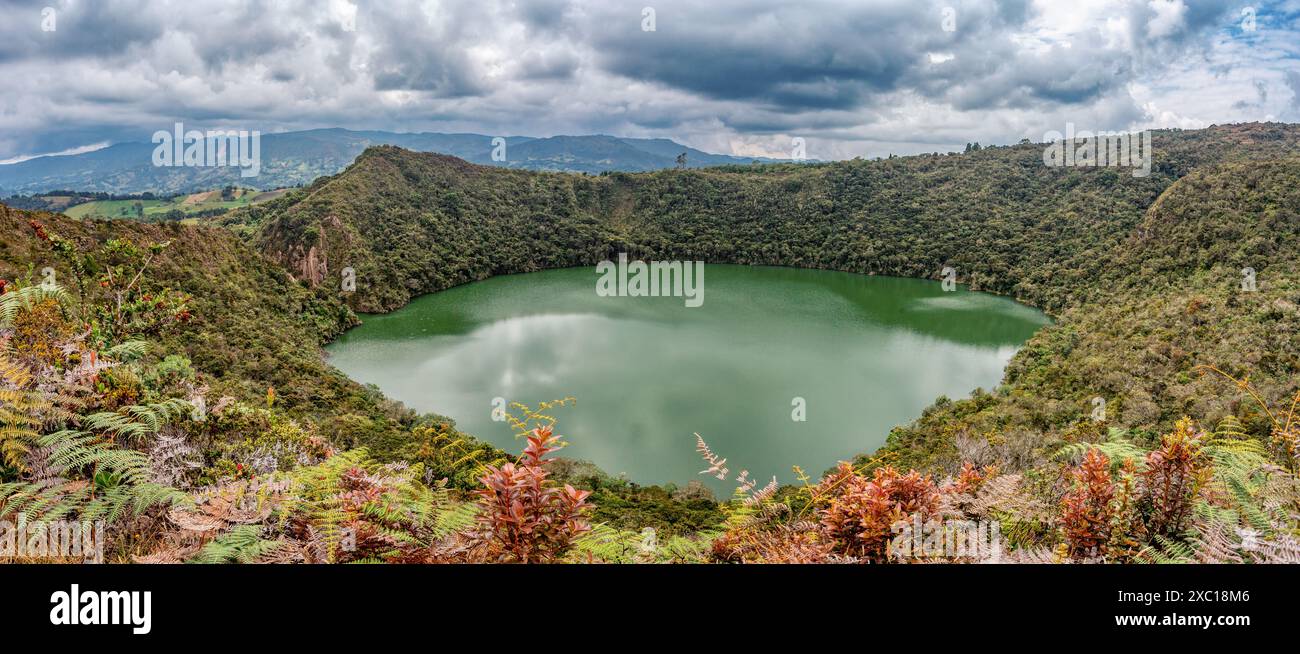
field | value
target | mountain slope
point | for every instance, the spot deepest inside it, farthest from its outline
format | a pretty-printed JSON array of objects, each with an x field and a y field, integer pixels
[
  {"x": 297, "y": 158},
  {"x": 252, "y": 327},
  {"x": 1007, "y": 223},
  {"x": 1166, "y": 303}
]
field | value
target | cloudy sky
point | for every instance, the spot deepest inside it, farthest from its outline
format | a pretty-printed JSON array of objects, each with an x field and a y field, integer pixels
[{"x": 852, "y": 77}]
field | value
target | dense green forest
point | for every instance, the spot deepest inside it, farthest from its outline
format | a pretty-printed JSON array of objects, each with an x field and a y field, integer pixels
[{"x": 1191, "y": 361}]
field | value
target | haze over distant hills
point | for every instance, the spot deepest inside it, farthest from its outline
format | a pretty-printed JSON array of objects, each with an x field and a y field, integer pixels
[{"x": 297, "y": 158}]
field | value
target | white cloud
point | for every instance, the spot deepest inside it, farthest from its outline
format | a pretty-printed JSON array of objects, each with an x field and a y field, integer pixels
[
  {"x": 81, "y": 150},
  {"x": 1168, "y": 19}
]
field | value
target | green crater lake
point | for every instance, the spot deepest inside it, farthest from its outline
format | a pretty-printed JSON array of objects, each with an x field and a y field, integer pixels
[{"x": 863, "y": 353}]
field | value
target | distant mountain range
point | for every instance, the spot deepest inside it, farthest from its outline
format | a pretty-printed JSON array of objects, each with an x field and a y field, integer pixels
[{"x": 297, "y": 158}]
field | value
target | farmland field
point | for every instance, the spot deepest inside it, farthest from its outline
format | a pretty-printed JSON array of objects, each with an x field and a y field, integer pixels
[{"x": 189, "y": 204}]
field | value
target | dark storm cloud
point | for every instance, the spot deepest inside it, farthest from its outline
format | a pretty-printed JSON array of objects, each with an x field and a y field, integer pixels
[
  {"x": 997, "y": 75},
  {"x": 86, "y": 29},
  {"x": 791, "y": 55},
  {"x": 823, "y": 55}
]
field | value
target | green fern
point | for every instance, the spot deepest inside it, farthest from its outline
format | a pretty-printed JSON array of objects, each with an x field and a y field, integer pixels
[
  {"x": 20, "y": 411},
  {"x": 605, "y": 544},
  {"x": 1245, "y": 483},
  {"x": 1168, "y": 551},
  {"x": 1117, "y": 447},
  {"x": 127, "y": 351},
  {"x": 117, "y": 481},
  {"x": 27, "y": 297},
  {"x": 1230, "y": 428},
  {"x": 242, "y": 544},
  {"x": 137, "y": 421},
  {"x": 454, "y": 519}
]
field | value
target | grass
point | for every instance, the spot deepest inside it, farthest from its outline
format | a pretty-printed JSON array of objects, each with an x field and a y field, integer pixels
[{"x": 189, "y": 204}]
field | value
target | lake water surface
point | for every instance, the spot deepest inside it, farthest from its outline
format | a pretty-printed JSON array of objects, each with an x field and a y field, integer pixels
[{"x": 861, "y": 353}]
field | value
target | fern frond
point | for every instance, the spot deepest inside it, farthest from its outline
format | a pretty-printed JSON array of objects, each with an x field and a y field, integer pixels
[
  {"x": 1169, "y": 551},
  {"x": 242, "y": 544},
  {"x": 1117, "y": 447},
  {"x": 127, "y": 351},
  {"x": 457, "y": 518},
  {"x": 26, "y": 298}
]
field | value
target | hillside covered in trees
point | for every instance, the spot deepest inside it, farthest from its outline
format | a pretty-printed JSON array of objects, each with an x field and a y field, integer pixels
[{"x": 1191, "y": 361}]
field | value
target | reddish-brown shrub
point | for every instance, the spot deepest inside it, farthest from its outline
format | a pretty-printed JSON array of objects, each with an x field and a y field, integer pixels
[
  {"x": 524, "y": 517},
  {"x": 971, "y": 477},
  {"x": 1174, "y": 475},
  {"x": 1088, "y": 510},
  {"x": 861, "y": 512}
]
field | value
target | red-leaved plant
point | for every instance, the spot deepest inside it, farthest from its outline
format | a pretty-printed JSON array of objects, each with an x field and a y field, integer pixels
[
  {"x": 1088, "y": 509},
  {"x": 972, "y": 477},
  {"x": 523, "y": 516},
  {"x": 860, "y": 517},
  {"x": 1174, "y": 475}
]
